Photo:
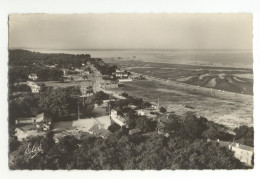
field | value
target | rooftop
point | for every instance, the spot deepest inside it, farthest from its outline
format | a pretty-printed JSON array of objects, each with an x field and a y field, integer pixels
[
  {"x": 244, "y": 147},
  {"x": 96, "y": 129}
]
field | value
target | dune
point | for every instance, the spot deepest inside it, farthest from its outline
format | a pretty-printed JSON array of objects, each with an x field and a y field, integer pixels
[
  {"x": 236, "y": 79},
  {"x": 212, "y": 83},
  {"x": 185, "y": 78},
  {"x": 222, "y": 75},
  {"x": 203, "y": 76}
]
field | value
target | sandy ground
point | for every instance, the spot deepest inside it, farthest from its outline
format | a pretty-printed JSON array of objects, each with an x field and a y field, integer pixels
[
  {"x": 72, "y": 127},
  {"x": 226, "y": 108}
]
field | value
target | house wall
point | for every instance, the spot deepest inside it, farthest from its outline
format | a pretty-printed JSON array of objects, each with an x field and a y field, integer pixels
[
  {"x": 115, "y": 117},
  {"x": 125, "y": 80},
  {"x": 243, "y": 155}
]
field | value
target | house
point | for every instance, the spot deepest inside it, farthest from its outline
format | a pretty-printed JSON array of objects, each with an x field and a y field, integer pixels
[
  {"x": 24, "y": 120},
  {"x": 135, "y": 131},
  {"x": 65, "y": 72},
  {"x": 107, "y": 77},
  {"x": 33, "y": 76},
  {"x": 31, "y": 83},
  {"x": 125, "y": 80},
  {"x": 35, "y": 88},
  {"x": 154, "y": 107},
  {"x": 121, "y": 74},
  {"x": 99, "y": 131},
  {"x": 43, "y": 117},
  {"x": 108, "y": 84},
  {"x": 43, "y": 122},
  {"x": 33, "y": 120},
  {"x": 132, "y": 106},
  {"x": 242, "y": 152},
  {"x": 162, "y": 123},
  {"x": 140, "y": 112},
  {"x": 117, "y": 118},
  {"x": 80, "y": 71}
]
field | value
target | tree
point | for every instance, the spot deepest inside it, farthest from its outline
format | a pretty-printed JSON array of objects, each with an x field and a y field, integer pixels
[
  {"x": 114, "y": 127},
  {"x": 163, "y": 109},
  {"x": 192, "y": 126},
  {"x": 145, "y": 124},
  {"x": 245, "y": 135},
  {"x": 13, "y": 140}
]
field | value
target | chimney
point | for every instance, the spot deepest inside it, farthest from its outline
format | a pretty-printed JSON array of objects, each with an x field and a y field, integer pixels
[{"x": 217, "y": 140}]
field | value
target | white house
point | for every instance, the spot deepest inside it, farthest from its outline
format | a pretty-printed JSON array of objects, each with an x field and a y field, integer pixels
[
  {"x": 125, "y": 80},
  {"x": 35, "y": 88},
  {"x": 140, "y": 112},
  {"x": 242, "y": 152},
  {"x": 33, "y": 76},
  {"x": 117, "y": 118}
]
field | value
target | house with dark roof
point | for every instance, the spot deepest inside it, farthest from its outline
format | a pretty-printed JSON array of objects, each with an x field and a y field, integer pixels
[{"x": 99, "y": 131}]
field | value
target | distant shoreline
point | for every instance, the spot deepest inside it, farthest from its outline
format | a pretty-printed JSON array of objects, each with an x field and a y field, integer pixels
[{"x": 212, "y": 58}]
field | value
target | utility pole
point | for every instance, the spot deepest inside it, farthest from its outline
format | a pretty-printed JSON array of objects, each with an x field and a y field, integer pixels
[{"x": 78, "y": 110}]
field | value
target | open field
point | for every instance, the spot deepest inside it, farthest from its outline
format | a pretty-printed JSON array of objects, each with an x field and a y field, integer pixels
[{"x": 230, "y": 109}]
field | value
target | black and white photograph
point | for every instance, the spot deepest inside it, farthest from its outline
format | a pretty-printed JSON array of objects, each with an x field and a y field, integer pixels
[{"x": 126, "y": 91}]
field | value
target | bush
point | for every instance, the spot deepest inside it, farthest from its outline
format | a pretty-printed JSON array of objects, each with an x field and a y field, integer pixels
[{"x": 163, "y": 109}]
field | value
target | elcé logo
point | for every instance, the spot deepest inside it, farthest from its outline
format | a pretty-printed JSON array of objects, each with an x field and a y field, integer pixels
[{"x": 32, "y": 150}]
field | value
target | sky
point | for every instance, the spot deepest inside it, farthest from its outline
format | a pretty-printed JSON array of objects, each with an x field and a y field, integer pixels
[{"x": 131, "y": 31}]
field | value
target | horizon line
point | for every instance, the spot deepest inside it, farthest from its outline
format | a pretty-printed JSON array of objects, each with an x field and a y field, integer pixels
[{"x": 122, "y": 49}]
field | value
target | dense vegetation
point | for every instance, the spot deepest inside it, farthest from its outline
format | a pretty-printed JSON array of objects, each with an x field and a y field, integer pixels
[
  {"x": 245, "y": 135},
  {"x": 48, "y": 66},
  {"x": 121, "y": 151}
]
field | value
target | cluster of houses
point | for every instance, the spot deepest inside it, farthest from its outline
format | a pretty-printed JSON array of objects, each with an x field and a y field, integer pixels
[{"x": 122, "y": 76}]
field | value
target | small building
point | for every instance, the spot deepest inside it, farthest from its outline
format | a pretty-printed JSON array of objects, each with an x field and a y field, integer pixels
[
  {"x": 140, "y": 112},
  {"x": 125, "y": 80},
  {"x": 35, "y": 89},
  {"x": 33, "y": 76},
  {"x": 99, "y": 131},
  {"x": 24, "y": 120},
  {"x": 107, "y": 77},
  {"x": 117, "y": 118},
  {"x": 43, "y": 117},
  {"x": 80, "y": 71},
  {"x": 108, "y": 84},
  {"x": 65, "y": 72},
  {"x": 135, "y": 131},
  {"x": 121, "y": 74},
  {"x": 154, "y": 107},
  {"x": 33, "y": 120},
  {"x": 132, "y": 106},
  {"x": 163, "y": 121},
  {"x": 242, "y": 152},
  {"x": 31, "y": 83}
]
